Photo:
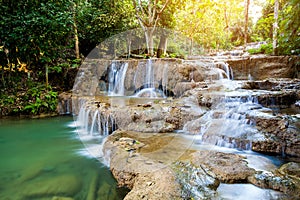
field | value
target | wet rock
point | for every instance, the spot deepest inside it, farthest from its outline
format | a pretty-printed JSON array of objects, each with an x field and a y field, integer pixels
[
  {"x": 272, "y": 84},
  {"x": 291, "y": 169},
  {"x": 263, "y": 67},
  {"x": 279, "y": 136},
  {"x": 276, "y": 182},
  {"x": 147, "y": 178},
  {"x": 158, "y": 117},
  {"x": 227, "y": 167},
  {"x": 196, "y": 183},
  {"x": 278, "y": 100},
  {"x": 64, "y": 105}
]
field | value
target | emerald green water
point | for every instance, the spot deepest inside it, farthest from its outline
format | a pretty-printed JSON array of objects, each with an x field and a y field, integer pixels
[{"x": 40, "y": 160}]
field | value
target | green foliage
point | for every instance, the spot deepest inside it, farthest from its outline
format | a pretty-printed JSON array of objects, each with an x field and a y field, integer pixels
[
  {"x": 264, "y": 49},
  {"x": 40, "y": 100},
  {"x": 211, "y": 23},
  {"x": 289, "y": 28},
  {"x": 35, "y": 100}
]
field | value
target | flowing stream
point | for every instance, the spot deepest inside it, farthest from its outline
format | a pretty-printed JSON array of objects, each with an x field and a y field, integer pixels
[{"x": 44, "y": 159}]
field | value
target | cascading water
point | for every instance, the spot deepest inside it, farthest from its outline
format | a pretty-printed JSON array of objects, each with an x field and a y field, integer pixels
[
  {"x": 150, "y": 86},
  {"x": 93, "y": 125},
  {"x": 92, "y": 121},
  {"x": 116, "y": 78},
  {"x": 230, "y": 122},
  {"x": 227, "y": 69}
]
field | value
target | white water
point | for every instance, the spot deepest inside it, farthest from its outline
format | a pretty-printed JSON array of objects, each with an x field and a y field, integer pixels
[
  {"x": 227, "y": 69},
  {"x": 116, "y": 78},
  {"x": 94, "y": 122},
  {"x": 150, "y": 93},
  {"x": 92, "y": 126},
  {"x": 150, "y": 84},
  {"x": 231, "y": 120},
  {"x": 246, "y": 192}
]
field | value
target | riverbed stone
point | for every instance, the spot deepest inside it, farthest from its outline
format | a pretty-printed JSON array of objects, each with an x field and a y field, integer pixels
[
  {"x": 196, "y": 181},
  {"x": 280, "y": 136},
  {"x": 227, "y": 167},
  {"x": 61, "y": 198},
  {"x": 147, "y": 178},
  {"x": 275, "y": 181},
  {"x": 63, "y": 185}
]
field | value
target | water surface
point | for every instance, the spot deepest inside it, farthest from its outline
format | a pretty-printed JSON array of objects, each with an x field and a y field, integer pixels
[{"x": 41, "y": 159}]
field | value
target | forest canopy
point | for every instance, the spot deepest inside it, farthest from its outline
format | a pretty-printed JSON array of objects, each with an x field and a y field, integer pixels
[
  {"x": 40, "y": 32},
  {"x": 40, "y": 37}
]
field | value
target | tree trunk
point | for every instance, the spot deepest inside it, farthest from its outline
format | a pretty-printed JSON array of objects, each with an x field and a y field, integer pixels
[
  {"x": 247, "y": 3},
  {"x": 149, "y": 40},
  {"x": 162, "y": 47},
  {"x": 275, "y": 26},
  {"x": 46, "y": 73},
  {"x": 77, "y": 53}
]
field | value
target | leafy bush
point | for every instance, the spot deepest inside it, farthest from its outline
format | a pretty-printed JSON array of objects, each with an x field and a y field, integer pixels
[
  {"x": 264, "y": 49},
  {"x": 34, "y": 100},
  {"x": 41, "y": 100}
]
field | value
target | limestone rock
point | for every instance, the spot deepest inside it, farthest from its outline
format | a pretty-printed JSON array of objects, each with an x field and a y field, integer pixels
[
  {"x": 279, "y": 136},
  {"x": 147, "y": 178},
  {"x": 291, "y": 169},
  {"x": 281, "y": 183},
  {"x": 262, "y": 67},
  {"x": 195, "y": 181},
  {"x": 227, "y": 167}
]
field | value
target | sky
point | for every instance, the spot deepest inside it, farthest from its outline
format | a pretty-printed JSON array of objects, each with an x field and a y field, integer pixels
[{"x": 255, "y": 10}]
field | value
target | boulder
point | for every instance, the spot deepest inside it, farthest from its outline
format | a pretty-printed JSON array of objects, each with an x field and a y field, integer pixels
[
  {"x": 280, "y": 136},
  {"x": 147, "y": 178},
  {"x": 227, "y": 167}
]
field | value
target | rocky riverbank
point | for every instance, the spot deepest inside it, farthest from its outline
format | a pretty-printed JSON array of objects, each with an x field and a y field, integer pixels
[
  {"x": 195, "y": 136},
  {"x": 152, "y": 173}
]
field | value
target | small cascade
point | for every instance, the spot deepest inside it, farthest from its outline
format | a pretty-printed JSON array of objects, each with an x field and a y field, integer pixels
[
  {"x": 150, "y": 93},
  {"x": 229, "y": 124},
  {"x": 227, "y": 69},
  {"x": 116, "y": 78},
  {"x": 149, "y": 74},
  {"x": 91, "y": 121},
  {"x": 64, "y": 106},
  {"x": 250, "y": 78},
  {"x": 151, "y": 88},
  {"x": 93, "y": 125}
]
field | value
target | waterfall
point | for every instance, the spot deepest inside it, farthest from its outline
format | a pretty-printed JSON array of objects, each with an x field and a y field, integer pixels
[
  {"x": 67, "y": 104},
  {"x": 96, "y": 113},
  {"x": 149, "y": 75},
  {"x": 229, "y": 123},
  {"x": 116, "y": 78},
  {"x": 151, "y": 87},
  {"x": 227, "y": 69},
  {"x": 92, "y": 121}
]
